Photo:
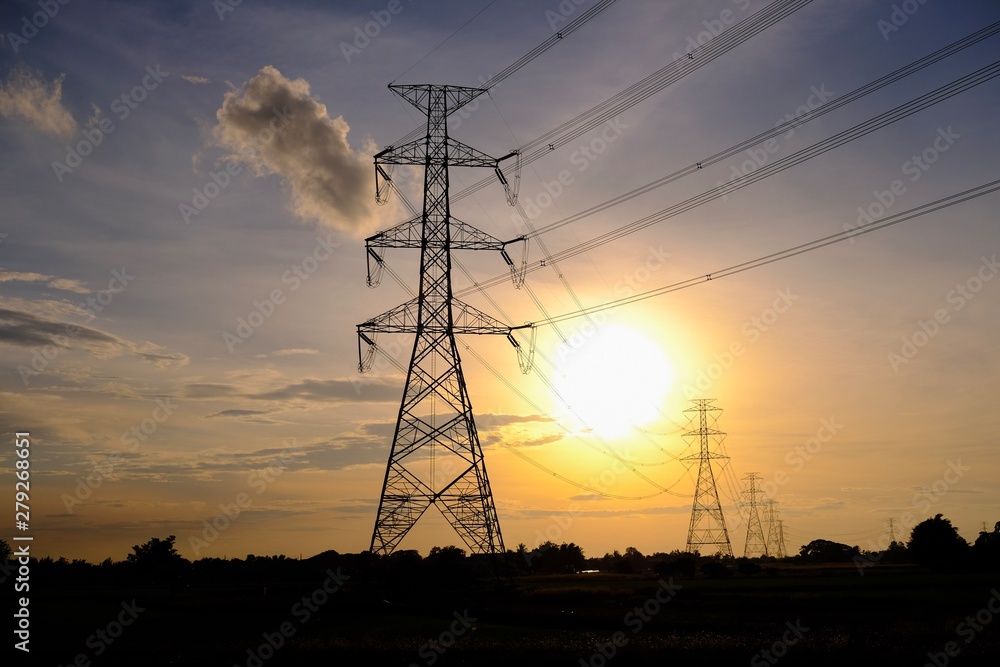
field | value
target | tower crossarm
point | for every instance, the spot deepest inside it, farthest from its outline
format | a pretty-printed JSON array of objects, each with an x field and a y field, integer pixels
[
  {"x": 415, "y": 153},
  {"x": 467, "y": 319},
  {"x": 463, "y": 237}
]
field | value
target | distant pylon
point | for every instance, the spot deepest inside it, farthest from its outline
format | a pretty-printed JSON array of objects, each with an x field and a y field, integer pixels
[
  {"x": 436, "y": 458},
  {"x": 755, "y": 545},
  {"x": 775, "y": 531},
  {"x": 708, "y": 524},
  {"x": 892, "y": 530}
]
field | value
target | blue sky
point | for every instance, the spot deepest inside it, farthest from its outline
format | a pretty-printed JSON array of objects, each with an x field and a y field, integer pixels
[{"x": 288, "y": 211}]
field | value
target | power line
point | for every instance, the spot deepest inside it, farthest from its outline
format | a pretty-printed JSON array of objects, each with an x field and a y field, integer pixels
[
  {"x": 654, "y": 83},
  {"x": 915, "y": 105},
  {"x": 442, "y": 42},
  {"x": 782, "y": 128},
  {"x": 903, "y": 216}
]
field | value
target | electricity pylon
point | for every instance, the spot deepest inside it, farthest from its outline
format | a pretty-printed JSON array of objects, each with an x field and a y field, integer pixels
[
  {"x": 775, "y": 531},
  {"x": 436, "y": 457},
  {"x": 755, "y": 545},
  {"x": 708, "y": 524}
]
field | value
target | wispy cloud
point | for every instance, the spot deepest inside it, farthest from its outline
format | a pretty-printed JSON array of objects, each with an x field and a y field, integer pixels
[
  {"x": 27, "y": 96},
  {"x": 195, "y": 79},
  {"x": 26, "y": 329},
  {"x": 64, "y": 284}
]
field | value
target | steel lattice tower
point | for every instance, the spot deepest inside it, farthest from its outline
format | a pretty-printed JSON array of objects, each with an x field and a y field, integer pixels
[
  {"x": 775, "y": 531},
  {"x": 755, "y": 545},
  {"x": 708, "y": 524},
  {"x": 436, "y": 457}
]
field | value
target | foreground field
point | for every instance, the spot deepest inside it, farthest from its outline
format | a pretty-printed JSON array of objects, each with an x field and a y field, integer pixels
[{"x": 795, "y": 615}]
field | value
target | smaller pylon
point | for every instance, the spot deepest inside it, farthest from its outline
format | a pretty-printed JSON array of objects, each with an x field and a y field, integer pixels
[
  {"x": 892, "y": 530},
  {"x": 755, "y": 545},
  {"x": 775, "y": 531},
  {"x": 708, "y": 524}
]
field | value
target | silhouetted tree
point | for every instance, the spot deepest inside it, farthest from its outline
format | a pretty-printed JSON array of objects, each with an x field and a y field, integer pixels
[
  {"x": 158, "y": 560},
  {"x": 680, "y": 563},
  {"x": 936, "y": 543},
  {"x": 747, "y": 567},
  {"x": 987, "y": 548},
  {"x": 5, "y": 550},
  {"x": 827, "y": 551},
  {"x": 446, "y": 560},
  {"x": 715, "y": 569},
  {"x": 552, "y": 558}
]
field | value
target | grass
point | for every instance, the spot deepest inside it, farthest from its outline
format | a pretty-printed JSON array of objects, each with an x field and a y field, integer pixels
[{"x": 890, "y": 616}]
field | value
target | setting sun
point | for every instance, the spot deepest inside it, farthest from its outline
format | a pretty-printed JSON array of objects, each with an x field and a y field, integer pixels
[{"x": 614, "y": 380}]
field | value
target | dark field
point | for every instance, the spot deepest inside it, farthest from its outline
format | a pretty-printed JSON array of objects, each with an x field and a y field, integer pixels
[{"x": 890, "y": 616}]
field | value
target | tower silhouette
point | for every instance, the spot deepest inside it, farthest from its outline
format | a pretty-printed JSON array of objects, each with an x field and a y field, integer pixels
[
  {"x": 775, "y": 531},
  {"x": 755, "y": 545},
  {"x": 708, "y": 524},
  {"x": 436, "y": 457}
]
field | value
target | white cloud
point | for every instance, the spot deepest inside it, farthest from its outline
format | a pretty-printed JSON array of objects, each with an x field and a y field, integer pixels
[
  {"x": 26, "y": 96},
  {"x": 275, "y": 125},
  {"x": 196, "y": 79}
]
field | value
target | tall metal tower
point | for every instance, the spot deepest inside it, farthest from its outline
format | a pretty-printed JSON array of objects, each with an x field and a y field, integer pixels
[
  {"x": 775, "y": 531},
  {"x": 436, "y": 458},
  {"x": 755, "y": 545},
  {"x": 708, "y": 525}
]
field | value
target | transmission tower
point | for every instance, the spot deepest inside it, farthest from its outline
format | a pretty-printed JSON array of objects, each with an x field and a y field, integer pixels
[
  {"x": 436, "y": 457},
  {"x": 755, "y": 545},
  {"x": 708, "y": 525},
  {"x": 892, "y": 530},
  {"x": 775, "y": 530}
]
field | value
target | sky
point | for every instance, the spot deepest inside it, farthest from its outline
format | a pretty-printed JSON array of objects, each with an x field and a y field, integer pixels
[{"x": 187, "y": 187}]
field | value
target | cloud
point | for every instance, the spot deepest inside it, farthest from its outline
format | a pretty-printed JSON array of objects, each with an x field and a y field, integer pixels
[
  {"x": 276, "y": 126},
  {"x": 196, "y": 79},
  {"x": 294, "y": 350},
  {"x": 26, "y": 329},
  {"x": 26, "y": 96},
  {"x": 377, "y": 390},
  {"x": 64, "y": 284}
]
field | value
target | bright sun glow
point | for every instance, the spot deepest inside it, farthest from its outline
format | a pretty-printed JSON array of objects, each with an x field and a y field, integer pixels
[{"x": 613, "y": 381}]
